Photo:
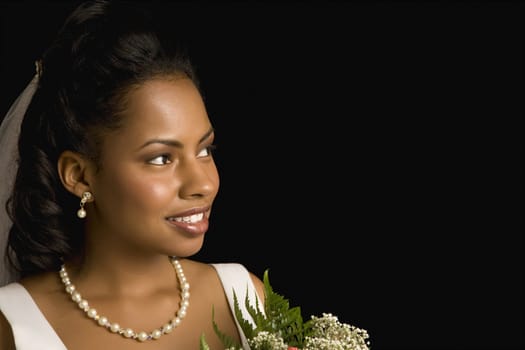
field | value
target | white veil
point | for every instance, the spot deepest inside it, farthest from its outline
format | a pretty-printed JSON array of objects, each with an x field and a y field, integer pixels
[{"x": 9, "y": 132}]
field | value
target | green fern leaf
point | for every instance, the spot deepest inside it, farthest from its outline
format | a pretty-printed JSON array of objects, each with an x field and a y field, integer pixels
[
  {"x": 203, "y": 345},
  {"x": 278, "y": 317},
  {"x": 226, "y": 340}
]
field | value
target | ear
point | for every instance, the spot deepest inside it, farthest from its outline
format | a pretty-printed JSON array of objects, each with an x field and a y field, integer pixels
[{"x": 74, "y": 171}]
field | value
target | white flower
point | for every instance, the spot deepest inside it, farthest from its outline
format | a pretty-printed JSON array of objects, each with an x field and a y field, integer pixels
[
  {"x": 265, "y": 340},
  {"x": 330, "y": 334}
]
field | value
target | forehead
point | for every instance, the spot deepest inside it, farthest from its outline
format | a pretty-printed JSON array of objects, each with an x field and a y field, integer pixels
[
  {"x": 173, "y": 99},
  {"x": 162, "y": 108},
  {"x": 161, "y": 93}
]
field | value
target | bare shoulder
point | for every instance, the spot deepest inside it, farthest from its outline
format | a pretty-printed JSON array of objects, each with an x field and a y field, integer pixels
[
  {"x": 207, "y": 272},
  {"x": 202, "y": 277},
  {"x": 42, "y": 283},
  {"x": 259, "y": 285},
  {"x": 6, "y": 334},
  {"x": 199, "y": 271}
]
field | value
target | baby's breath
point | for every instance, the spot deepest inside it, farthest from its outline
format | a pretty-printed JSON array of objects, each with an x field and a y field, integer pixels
[
  {"x": 267, "y": 341},
  {"x": 331, "y": 334}
]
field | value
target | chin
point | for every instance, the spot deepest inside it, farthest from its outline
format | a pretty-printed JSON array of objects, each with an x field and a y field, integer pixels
[{"x": 186, "y": 250}]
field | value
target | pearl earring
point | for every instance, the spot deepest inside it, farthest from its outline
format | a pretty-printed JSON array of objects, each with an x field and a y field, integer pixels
[{"x": 81, "y": 213}]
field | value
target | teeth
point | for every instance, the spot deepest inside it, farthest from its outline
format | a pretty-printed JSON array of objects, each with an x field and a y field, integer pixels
[{"x": 190, "y": 219}]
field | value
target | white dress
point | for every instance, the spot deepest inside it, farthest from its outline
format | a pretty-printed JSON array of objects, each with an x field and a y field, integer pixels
[{"x": 32, "y": 331}]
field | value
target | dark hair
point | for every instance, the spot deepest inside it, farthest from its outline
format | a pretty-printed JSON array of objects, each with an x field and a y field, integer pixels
[{"x": 103, "y": 50}]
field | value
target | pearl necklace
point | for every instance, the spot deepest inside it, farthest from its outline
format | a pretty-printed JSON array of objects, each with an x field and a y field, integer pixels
[{"x": 128, "y": 332}]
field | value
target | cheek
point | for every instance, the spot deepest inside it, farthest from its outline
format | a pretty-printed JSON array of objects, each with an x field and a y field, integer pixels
[
  {"x": 141, "y": 191},
  {"x": 148, "y": 191}
]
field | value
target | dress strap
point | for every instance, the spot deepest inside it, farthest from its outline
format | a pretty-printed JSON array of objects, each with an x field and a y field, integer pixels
[
  {"x": 30, "y": 328},
  {"x": 236, "y": 278}
]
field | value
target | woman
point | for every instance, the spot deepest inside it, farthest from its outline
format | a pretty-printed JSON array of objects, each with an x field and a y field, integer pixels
[{"x": 113, "y": 191}]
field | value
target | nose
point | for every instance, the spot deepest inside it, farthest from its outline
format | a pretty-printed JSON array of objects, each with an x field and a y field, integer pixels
[{"x": 199, "y": 178}]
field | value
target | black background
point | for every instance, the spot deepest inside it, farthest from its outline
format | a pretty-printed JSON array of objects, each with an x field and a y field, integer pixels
[{"x": 370, "y": 155}]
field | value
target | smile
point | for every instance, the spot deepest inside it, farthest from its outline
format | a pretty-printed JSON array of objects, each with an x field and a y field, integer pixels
[{"x": 191, "y": 219}]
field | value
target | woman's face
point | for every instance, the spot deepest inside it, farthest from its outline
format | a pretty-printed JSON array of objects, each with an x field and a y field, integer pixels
[{"x": 157, "y": 179}]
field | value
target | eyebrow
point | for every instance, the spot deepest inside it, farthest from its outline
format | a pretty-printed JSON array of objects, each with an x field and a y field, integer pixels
[{"x": 176, "y": 143}]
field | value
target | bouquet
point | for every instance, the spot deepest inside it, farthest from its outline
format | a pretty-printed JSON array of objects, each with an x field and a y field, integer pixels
[{"x": 282, "y": 328}]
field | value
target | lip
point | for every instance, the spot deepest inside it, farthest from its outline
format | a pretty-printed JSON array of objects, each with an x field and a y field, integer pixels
[{"x": 193, "y": 228}]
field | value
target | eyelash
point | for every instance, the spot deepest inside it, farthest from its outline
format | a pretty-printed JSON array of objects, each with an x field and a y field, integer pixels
[{"x": 167, "y": 157}]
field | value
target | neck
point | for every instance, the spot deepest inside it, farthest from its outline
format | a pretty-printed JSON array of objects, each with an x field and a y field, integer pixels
[{"x": 122, "y": 274}]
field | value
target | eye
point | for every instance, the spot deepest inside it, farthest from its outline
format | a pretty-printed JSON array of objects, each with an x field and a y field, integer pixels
[
  {"x": 206, "y": 151},
  {"x": 160, "y": 160}
]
